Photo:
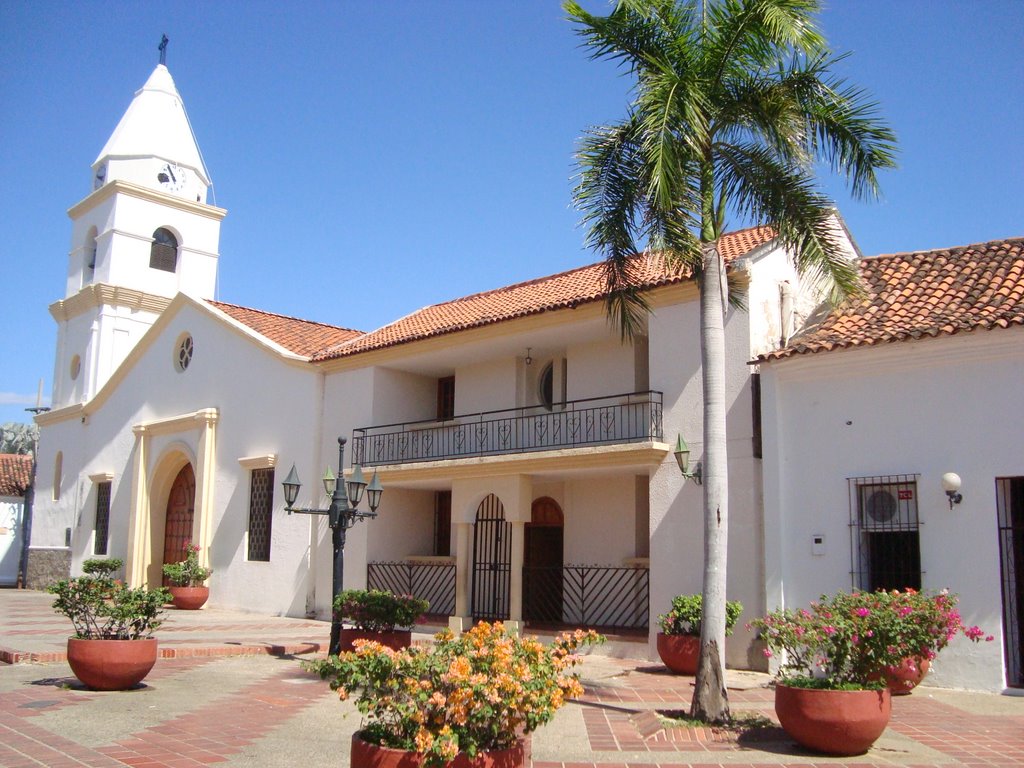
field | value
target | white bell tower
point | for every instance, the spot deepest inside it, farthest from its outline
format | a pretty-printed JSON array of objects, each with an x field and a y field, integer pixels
[{"x": 144, "y": 234}]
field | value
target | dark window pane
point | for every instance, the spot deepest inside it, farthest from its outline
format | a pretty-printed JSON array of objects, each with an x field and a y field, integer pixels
[
  {"x": 102, "y": 518},
  {"x": 261, "y": 501}
]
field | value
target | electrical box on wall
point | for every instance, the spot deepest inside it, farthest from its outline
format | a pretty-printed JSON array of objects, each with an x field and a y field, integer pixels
[{"x": 818, "y": 544}]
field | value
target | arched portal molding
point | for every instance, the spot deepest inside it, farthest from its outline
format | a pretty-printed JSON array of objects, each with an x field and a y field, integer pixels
[{"x": 194, "y": 443}]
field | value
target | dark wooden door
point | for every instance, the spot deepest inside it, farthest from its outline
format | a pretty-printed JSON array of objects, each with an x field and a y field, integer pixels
[
  {"x": 542, "y": 563},
  {"x": 180, "y": 515}
]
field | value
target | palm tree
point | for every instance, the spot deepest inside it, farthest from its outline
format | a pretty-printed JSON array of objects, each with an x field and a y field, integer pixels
[{"x": 733, "y": 104}]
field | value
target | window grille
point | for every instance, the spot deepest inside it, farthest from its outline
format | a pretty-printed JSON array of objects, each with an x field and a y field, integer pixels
[
  {"x": 163, "y": 254},
  {"x": 261, "y": 502},
  {"x": 885, "y": 545},
  {"x": 102, "y": 518}
]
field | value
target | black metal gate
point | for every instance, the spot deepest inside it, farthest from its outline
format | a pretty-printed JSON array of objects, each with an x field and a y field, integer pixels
[
  {"x": 492, "y": 561},
  {"x": 1010, "y": 505}
]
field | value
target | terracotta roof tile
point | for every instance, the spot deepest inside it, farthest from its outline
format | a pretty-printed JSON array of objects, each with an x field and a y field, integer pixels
[
  {"x": 566, "y": 289},
  {"x": 924, "y": 294},
  {"x": 303, "y": 337},
  {"x": 15, "y": 474}
]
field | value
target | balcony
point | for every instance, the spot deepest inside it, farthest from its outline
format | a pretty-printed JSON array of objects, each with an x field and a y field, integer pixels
[{"x": 633, "y": 417}]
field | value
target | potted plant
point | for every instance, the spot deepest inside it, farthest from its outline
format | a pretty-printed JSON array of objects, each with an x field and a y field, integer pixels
[
  {"x": 112, "y": 648},
  {"x": 830, "y": 694},
  {"x": 464, "y": 701},
  {"x": 378, "y": 615},
  {"x": 188, "y": 592},
  {"x": 926, "y": 622},
  {"x": 679, "y": 638}
]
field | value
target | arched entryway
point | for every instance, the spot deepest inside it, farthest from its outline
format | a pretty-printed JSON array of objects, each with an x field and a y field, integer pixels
[
  {"x": 181, "y": 504},
  {"x": 492, "y": 561},
  {"x": 542, "y": 562}
]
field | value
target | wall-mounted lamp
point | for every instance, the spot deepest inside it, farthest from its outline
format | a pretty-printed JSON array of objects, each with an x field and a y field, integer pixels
[
  {"x": 682, "y": 453},
  {"x": 951, "y": 485},
  {"x": 529, "y": 358}
]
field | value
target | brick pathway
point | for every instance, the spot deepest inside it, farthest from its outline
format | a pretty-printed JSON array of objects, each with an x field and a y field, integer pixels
[
  {"x": 219, "y": 695},
  {"x": 620, "y": 714}
]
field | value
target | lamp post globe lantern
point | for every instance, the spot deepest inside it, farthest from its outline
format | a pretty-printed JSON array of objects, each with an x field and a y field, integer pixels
[{"x": 341, "y": 515}]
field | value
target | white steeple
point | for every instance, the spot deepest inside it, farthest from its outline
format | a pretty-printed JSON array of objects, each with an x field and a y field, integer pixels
[
  {"x": 142, "y": 235},
  {"x": 153, "y": 144}
]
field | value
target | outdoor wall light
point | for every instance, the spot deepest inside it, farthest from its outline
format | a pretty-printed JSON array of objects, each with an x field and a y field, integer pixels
[
  {"x": 951, "y": 485},
  {"x": 529, "y": 358},
  {"x": 682, "y": 453}
]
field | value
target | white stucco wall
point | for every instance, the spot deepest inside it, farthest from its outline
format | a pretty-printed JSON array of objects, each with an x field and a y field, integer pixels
[
  {"x": 599, "y": 368},
  {"x": 246, "y": 383},
  {"x": 922, "y": 407},
  {"x": 599, "y": 520},
  {"x": 11, "y": 511},
  {"x": 486, "y": 386}
]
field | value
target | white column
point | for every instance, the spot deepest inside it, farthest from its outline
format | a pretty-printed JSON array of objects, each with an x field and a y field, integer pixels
[
  {"x": 206, "y": 455},
  {"x": 138, "y": 515},
  {"x": 463, "y": 572}
]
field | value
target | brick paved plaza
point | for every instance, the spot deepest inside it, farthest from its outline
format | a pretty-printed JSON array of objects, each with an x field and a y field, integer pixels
[{"x": 229, "y": 690}]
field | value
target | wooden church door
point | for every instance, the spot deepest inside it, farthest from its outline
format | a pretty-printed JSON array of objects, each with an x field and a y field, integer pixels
[{"x": 180, "y": 515}]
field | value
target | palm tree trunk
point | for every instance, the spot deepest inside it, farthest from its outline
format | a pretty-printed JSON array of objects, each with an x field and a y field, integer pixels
[{"x": 710, "y": 699}]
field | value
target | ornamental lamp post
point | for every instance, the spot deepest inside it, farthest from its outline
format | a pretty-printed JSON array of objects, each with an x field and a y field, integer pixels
[{"x": 341, "y": 515}]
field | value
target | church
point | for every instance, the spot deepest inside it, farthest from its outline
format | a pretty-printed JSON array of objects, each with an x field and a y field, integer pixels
[{"x": 527, "y": 454}]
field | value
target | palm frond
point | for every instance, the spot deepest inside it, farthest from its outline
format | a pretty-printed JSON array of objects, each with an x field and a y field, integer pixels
[{"x": 762, "y": 188}]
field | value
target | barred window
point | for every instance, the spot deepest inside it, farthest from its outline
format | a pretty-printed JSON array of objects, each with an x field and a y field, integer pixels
[
  {"x": 102, "y": 519},
  {"x": 163, "y": 254},
  {"x": 261, "y": 502},
  {"x": 885, "y": 544}
]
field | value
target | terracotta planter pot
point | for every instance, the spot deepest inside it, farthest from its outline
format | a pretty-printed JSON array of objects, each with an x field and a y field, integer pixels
[
  {"x": 367, "y": 755},
  {"x": 189, "y": 598},
  {"x": 111, "y": 665},
  {"x": 396, "y": 639},
  {"x": 679, "y": 652},
  {"x": 903, "y": 679},
  {"x": 833, "y": 722}
]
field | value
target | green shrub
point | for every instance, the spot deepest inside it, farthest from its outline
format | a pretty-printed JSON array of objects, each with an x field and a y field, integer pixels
[
  {"x": 378, "y": 610},
  {"x": 685, "y": 616},
  {"x": 101, "y": 608}
]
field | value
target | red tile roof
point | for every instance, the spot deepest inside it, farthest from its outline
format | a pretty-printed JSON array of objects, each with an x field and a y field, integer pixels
[
  {"x": 924, "y": 294},
  {"x": 15, "y": 474},
  {"x": 566, "y": 289},
  {"x": 303, "y": 337}
]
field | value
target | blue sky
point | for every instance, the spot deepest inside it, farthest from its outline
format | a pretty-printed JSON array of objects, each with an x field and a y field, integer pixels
[{"x": 377, "y": 157}]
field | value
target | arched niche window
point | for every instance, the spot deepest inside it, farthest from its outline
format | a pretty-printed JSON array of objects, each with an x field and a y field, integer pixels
[
  {"x": 163, "y": 254},
  {"x": 89, "y": 272},
  {"x": 58, "y": 474}
]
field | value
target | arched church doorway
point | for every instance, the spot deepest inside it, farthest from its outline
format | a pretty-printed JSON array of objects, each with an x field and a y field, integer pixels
[
  {"x": 492, "y": 561},
  {"x": 542, "y": 562},
  {"x": 181, "y": 505}
]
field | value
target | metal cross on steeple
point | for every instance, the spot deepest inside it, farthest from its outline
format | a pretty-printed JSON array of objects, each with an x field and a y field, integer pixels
[{"x": 163, "y": 50}]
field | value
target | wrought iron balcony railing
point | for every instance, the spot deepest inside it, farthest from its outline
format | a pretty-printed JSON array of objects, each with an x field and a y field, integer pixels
[{"x": 628, "y": 418}]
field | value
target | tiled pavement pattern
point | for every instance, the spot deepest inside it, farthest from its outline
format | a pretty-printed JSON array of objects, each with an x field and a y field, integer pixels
[
  {"x": 263, "y": 711},
  {"x": 930, "y": 727},
  {"x": 31, "y": 631}
]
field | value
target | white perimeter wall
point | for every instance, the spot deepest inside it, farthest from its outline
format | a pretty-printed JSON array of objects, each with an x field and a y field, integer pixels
[{"x": 924, "y": 407}]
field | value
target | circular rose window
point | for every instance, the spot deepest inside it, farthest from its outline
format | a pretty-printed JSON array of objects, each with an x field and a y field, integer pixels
[{"x": 183, "y": 352}]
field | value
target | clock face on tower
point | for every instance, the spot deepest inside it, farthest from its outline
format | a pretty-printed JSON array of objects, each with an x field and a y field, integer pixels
[{"x": 171, "y": 177}]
